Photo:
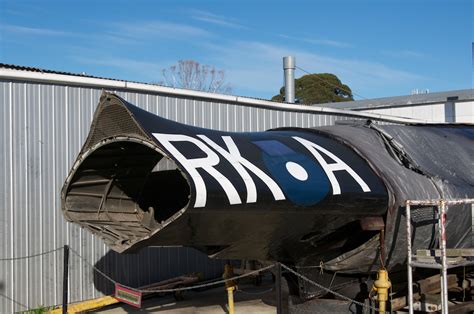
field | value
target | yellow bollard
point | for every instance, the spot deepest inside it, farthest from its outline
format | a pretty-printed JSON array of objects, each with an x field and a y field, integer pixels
[
  {"x": 229, "y": 286},
  {"x": 230, "y": 299},
  {"x": 381, "y": 286}
]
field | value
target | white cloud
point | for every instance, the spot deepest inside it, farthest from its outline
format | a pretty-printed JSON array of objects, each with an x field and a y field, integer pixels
[
  {"x": 404, "y": 54},
  {"x": 220, "y": 20},
  {"x": 319, "y": 41},
  {"x": 156, "y": 29},
  {"x": 16, "y": 29}
]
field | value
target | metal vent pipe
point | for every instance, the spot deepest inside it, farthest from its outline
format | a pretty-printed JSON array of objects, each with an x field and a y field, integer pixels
[{"x": 289, "y": 69}]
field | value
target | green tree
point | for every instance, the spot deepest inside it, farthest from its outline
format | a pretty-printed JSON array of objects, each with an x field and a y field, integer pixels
[{"x": 318, "y": 88}]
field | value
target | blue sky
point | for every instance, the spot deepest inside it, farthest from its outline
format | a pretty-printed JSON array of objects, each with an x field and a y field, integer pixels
[{"x": 379, "y": 48}]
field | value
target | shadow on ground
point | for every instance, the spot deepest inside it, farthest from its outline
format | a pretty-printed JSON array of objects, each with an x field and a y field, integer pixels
[{"x": 153, "y": 264}]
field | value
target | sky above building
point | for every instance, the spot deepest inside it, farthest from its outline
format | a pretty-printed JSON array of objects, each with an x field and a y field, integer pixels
[{"x": 378, "y": 48}]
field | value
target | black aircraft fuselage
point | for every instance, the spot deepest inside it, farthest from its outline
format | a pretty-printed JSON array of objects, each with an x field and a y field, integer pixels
[{"x": 294, "y": 195}]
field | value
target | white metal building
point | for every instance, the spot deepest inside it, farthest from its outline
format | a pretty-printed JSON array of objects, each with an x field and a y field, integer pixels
[
  {"x": 452, "y": 106},
  {"x": 45, "y": 117}
]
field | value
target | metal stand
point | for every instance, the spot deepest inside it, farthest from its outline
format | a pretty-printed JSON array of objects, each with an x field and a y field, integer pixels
[
  {"x": 229, "y": 286},
  {"x": 65, "y": 276},
  {"x": 278, "y": 288},
  {"x": 409, "y": 259},
  {"x": 442, "y": 244},
  {"x": 443, "y": 266}
]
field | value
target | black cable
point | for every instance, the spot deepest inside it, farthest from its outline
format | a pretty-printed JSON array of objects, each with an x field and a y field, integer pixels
[
  {"x": 255, "y": 292},
  {"x": 30, "y": 256}
]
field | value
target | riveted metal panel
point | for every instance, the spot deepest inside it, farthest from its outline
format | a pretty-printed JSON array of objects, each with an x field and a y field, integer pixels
[{"x": 43, "y": 128}]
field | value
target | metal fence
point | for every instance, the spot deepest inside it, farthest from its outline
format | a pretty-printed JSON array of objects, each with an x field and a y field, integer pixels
[{"x": 43, "y": 127}]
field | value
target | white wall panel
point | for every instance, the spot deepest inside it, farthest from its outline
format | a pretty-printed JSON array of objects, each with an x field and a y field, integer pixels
[
  {"x": 465, "y": 112},
  {"x": 429, "y": 112}
]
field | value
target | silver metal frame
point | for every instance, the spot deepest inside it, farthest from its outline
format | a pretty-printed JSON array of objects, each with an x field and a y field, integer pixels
[{"x": 442, "y": 206}]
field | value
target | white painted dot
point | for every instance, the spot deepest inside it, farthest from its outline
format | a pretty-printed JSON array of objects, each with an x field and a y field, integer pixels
[{"x": 296, "y": 171}]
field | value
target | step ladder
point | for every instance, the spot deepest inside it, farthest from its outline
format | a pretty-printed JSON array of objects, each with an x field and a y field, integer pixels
[{"x": 442, "y": 258}]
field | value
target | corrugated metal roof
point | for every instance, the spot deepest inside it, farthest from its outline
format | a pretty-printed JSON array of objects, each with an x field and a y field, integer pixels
[
  {"x": 40, "y": 70},
  {"x": 34, "y": 69}
]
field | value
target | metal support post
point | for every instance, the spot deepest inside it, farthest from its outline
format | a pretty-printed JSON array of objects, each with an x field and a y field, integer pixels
[
  {"x": 444, "y": 271},
  {"x": 229, "y": 286},
  {"x": 278, "y": 288},
  {"x": 230, "y": 299},
  {"x": 65, "y": 276},
  {"x": 409, "y": 259}
]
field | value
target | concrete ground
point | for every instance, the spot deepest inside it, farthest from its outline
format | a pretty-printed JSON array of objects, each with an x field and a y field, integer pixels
[{"x": 251, "y": 299}]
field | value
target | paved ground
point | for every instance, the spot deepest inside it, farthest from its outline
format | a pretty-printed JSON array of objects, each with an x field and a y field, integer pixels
[{"x": 256, "y": 300}]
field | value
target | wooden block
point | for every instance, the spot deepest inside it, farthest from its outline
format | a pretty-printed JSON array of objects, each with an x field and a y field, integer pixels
[
  {"x": 372, "y": 223},
  {"x": 427, "y": 286},
  {"x": 433, "y": 285},
  {"x": 465, "y": 307}
]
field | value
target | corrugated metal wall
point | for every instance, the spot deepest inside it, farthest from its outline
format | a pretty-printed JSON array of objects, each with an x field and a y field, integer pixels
[{"x": 43, "y": 128}]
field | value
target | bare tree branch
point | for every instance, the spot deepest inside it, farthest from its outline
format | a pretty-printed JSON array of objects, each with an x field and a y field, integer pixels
[{"x": 191, "y": 74}]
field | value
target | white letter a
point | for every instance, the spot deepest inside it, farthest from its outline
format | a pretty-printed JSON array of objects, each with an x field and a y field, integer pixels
[{"x": 339, "y": 165}]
